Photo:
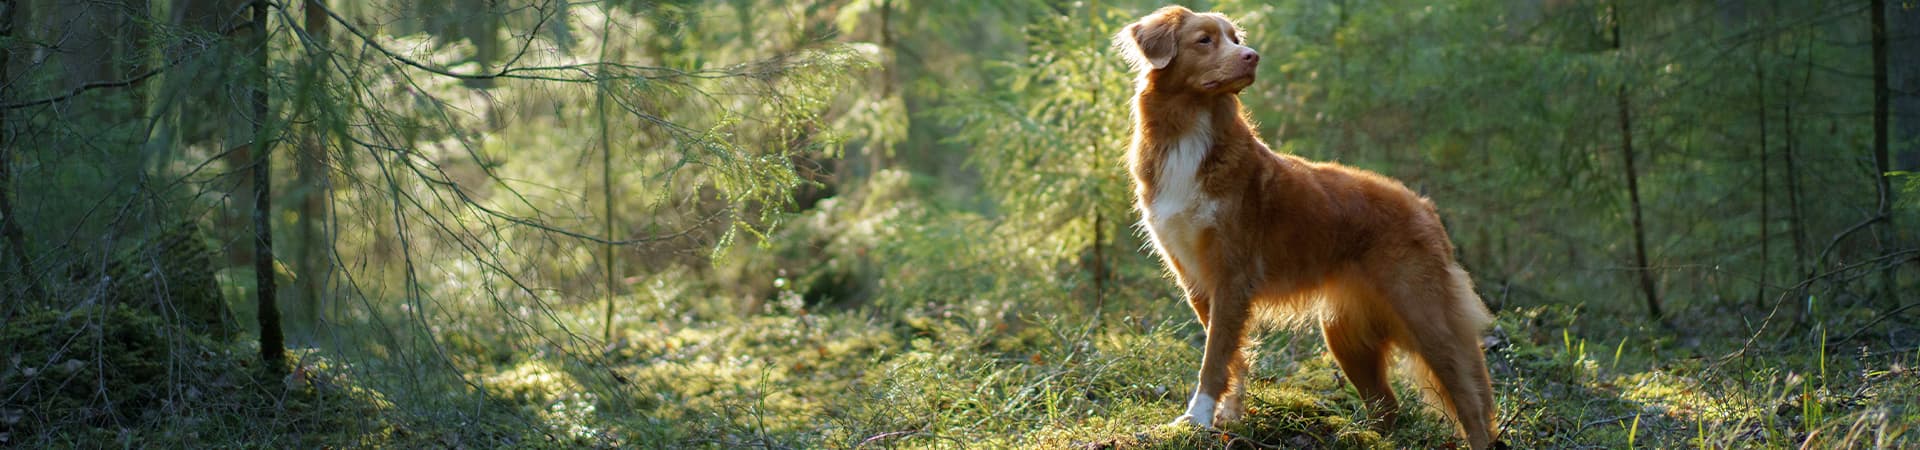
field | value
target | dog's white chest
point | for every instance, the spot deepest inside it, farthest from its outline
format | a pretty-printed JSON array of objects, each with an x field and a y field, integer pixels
[{"x": 1180, "y": 211}]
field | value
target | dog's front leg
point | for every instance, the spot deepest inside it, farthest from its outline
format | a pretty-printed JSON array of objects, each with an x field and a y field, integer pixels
[
  {"x": 1226, "y": 329},
  {"x": 1232, "y": 404}
]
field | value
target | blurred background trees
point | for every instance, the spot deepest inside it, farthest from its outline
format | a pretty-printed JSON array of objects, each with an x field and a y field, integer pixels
[{"x": 465, "y": 188}]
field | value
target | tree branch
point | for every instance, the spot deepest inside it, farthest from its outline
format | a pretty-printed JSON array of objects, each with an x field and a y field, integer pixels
[
  {"x": 129, "y": 82},
  {"x": 533, "y": 72},
  {"x": 75, "y": 92}
]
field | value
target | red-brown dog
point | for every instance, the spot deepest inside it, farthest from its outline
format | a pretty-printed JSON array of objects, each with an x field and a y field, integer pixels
[{"x": 1249, "y": 233}]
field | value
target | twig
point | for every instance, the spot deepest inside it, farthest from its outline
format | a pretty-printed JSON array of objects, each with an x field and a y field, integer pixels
[
  {"x": 508, "y": 71},
  {"x": 75, "y": 92},
  {"x": 887, "y": 435},
  {"x": 1822, "y": 259},
  {"x": 129, "y": 82},
  {"x": 1876, "y": 321},
  {"x": 1806, "y": 283},
  {"x": 1614, "y": 419}
]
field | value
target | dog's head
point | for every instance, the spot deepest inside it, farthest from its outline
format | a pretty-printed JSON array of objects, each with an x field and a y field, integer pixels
[{"x": 1175, "y": 48}]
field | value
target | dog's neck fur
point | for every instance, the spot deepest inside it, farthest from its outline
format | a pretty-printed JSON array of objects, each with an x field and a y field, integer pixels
[{"x": 1176, "y": 115}]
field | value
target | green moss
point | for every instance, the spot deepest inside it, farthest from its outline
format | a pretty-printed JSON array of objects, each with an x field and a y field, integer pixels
[
  {"x": 117, "y": 373},
  {"x": 61, "y": 361}
]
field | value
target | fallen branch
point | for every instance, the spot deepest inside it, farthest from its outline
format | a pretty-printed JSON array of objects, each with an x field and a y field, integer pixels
[
  {"x": 1909, "y": 253},
  {"x": 1876, "y": 321},
  {"x": 885, "y": 436},
  {"x": 1822, "y": 259}
]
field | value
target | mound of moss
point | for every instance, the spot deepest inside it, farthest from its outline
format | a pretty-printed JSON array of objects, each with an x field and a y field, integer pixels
[
  {"x": 96, "y": 365},
  {"x": 120, "y": 373},
  {"x": 170, "y": 275}
]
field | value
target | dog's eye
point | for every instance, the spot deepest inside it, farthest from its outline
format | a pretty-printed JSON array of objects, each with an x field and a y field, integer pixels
[{"x": 1206, "y": 39}]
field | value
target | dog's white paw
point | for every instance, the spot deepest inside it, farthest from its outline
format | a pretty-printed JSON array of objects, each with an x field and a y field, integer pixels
[
  {"x": 1199, "y": 411},
  {"x": 1187, "y": 420}
]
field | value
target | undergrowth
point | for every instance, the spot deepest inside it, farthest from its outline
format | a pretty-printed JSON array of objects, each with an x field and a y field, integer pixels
[
  {"x": 789, "y": 377},
  {"x": 944, "y": 354},
  {"x": 114, "y": 375}
]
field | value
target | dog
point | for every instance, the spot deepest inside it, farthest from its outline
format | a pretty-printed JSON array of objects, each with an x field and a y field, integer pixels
[{"x": 1252, "y": 236}]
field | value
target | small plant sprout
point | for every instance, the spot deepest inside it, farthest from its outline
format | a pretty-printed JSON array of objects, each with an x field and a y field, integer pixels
[
  {"x": 1616, "y": 354},
  {"x": 1633, "y": 430}
]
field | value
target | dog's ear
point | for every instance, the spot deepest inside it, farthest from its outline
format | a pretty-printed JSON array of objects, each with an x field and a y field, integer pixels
[{"x": 1149, "y": 43}]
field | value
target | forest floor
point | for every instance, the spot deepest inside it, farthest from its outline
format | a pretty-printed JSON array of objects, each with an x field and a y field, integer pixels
[{"x": 1565, "y": 378}]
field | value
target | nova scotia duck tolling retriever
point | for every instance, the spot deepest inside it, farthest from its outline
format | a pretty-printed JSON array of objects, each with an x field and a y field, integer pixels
[{"x": 1253, "y": 237}]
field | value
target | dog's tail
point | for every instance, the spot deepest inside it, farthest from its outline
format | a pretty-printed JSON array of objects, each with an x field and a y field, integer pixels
[{"x": 1448, "y": 363}]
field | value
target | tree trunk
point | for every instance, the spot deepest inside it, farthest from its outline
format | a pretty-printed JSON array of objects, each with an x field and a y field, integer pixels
[
  {"x": 198, "y": 103},
  {"x": 198, "y": 106},
  {"x": 99, "y": 41},
  {"x": 272, "y": 345},
  {"x": 606, "y": 179},
  {"x": 1881, "y": 166},
  {"x": 484, "y": 32},
  {"x": 1633, "y": 196},
  {"x": 1797, "y": 222},
  {"x": 879, "y": 156},
  {"x": 1095, "y": 169},
  {"x": 1903, "y": 80},
  {"x": 1633, "y": 182},
  {"x": 312, "y": 268},
  {"x": 1760, "y": 94},
  {"x": 9, "y": 222}
]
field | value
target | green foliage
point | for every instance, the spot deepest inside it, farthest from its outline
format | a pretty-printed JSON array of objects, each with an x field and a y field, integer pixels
[
  {"x": 1505, "y": 115},
  {"x": 860, "y": 223},
  {"x": 1049, "y": 146}
]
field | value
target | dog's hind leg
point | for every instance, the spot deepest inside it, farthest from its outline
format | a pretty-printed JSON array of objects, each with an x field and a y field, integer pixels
[{"x": 1443, "y": 318}]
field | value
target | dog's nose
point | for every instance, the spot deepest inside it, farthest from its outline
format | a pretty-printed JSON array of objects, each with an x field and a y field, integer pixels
[{"x": 1250, "y": 56}]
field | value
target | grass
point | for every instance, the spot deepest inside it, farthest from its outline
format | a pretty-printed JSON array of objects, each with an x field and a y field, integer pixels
[
  {"x": 1010, "y": 367},
  {"x": 788, "y": 377}
]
